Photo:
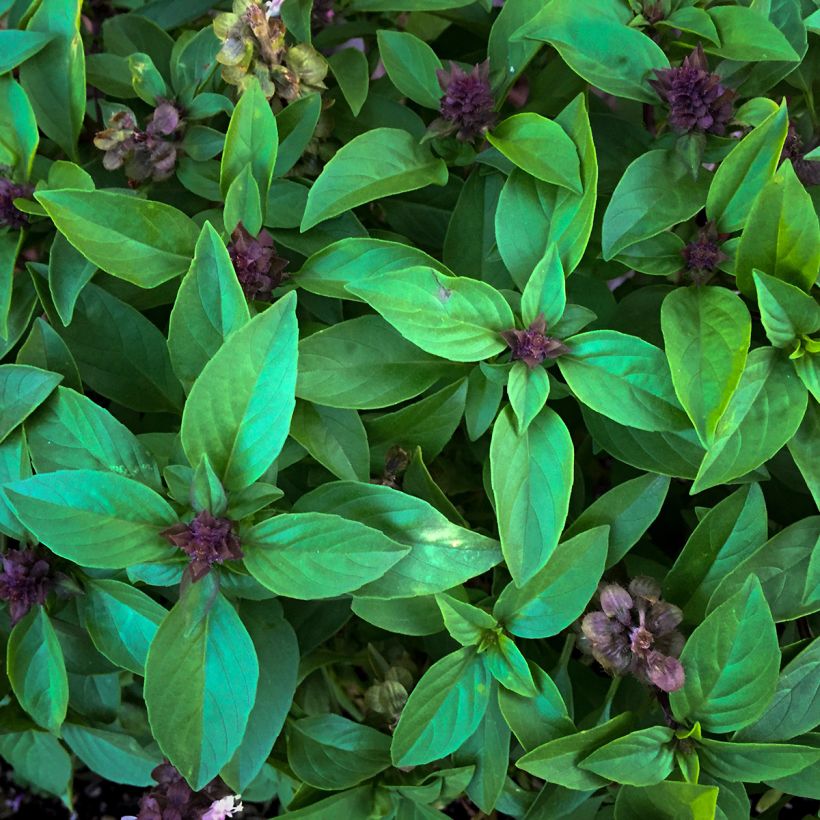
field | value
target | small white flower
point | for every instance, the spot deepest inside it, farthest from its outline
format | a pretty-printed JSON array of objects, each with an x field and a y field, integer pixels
[
  {"x": 226, "y": 807},
  {"x": 273, "y": 7}
]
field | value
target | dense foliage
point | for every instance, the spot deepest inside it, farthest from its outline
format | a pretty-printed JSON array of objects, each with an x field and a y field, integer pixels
[{"x": 409, "y": 408}]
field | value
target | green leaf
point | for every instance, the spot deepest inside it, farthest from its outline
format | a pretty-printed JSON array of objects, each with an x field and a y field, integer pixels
[
  {"x": 240, "y": 407},
  {"x": 465, "y": 623},
  {"x": 745, "y": 34},
  {"x": 763, "y": 414},
  {"x": 624, "y": 378},
  {"x": 45, "y": 349},
  {"x": 330, "y": 270},
  {"x": 18, "y": 144},
  {"x": 540, "y": 147},
  {"x": 144, "y": 242},
  {"x": 744, "y": 172},
  {"x": 536, "y": 719},
  {"x": 38, "y": 758},
  {"x": 121, "y": 621},
  {"x": 783, "y": 566},
  {"x": 545, "y": 291},
  {"x": 376, "y": 164},
  {"x": 57, "y": 95},
  {"x": 364, "y": 364},
  {"x": 14, "y": 464},
  {"x": 331, "y": 752},
  {"x": 594, "y": 37},
  {"x": 706, "y": 332},
  {"x": 209, "y": 307},
  {"x": 555, "y": 596},
  {"x": 508, "y": 58},
  {"x": 296, "y": 124},
  {"x": 641, "y": 758},
  {"x": 787, "y": 313},
  {"x": 92, "y": 518},
  {"x": 656, "y": 192},
  {"x": 804, "y": 448},
  {"x": 352, "y": 73},
  {"x": 121, "y": 354},
  {"x": 754, "y": 762},
  {"x": 335, "y": 438},
  {"x": 289, "y": 554},
  {"x": 278, "y": 652},
  {"x": 527, "y": 390},
  {"x": 71, "y": 432},
  {"x": 533, "y": 215},
  {"x": 667, "y": 801},
  {"x": 17, "y": 46},
  {"x": 22, "y": 390},
  {"x": 429, "y": 424},
  {"x": 36, "y": 669},
  {"x": 731, "y": 662},
  {"x": 114, "y": 756},
  {"x": 558, "y": 761},
  {"x": 509, "y": 667},
  {"x": 781, "y": 236},
  {"x": 627, "y": 509},
  {"x": 200, "y": 683},
  {"x": 68, "y": 273},
  {"x": 443, "y": 710},
  {"x": 457, "y": 318},
  {"x": 531, "y": 479},
  {"x": 795, "y": 707},
  {"x": 243, "y": 203},
  {"x": 411, "y": 65},
  {"x": 442, "y": 554},
  {"x": 252, "y": 139},
  {"x": 728, "y": 533},
  {"x": 146, "y": 80}
]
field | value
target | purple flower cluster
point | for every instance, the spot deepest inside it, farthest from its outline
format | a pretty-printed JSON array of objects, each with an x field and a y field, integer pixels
[
  {"x": 207, "y": 540},
  {"x": 532, "y": 345},
  {"x": 173, "y": 799},
  {"x": 635, "y": 632},
  {"x": 322, "y": 14},
  {"x": 258, "y": 267},
  {"x": 11, "y": 216},
  {"x": 148, "y": 154},
  {"x": 703, "y": 254},
  {"x": 25, "y": 580},
  {"x": 467, "y": 105},
  {"x": 697, "y": 99}
]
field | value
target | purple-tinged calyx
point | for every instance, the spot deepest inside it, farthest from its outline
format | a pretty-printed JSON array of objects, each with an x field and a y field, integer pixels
[
  {"x": 259, "y": 269},
  {"x": 25, "y": 581},
  {"x": 703, "y": 255},
  {"x": 532, "y": 346},
  {"x": 636, "y": 633},
  {"x": 467, "y": 105},
  {"x": 207, "y": 540},
  {"x": 807, "y": 171},
  {"x": 10, "y": 215},
  {"x": 145, "y": 154},
  {"x": 697, "y": 99}
]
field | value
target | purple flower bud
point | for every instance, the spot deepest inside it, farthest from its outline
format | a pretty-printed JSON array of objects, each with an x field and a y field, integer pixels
[
  {"x": 703, "y": 254},
  {"x": 322, "y": 14},
  {"x": 25, "y": 580},
  {"x": 467, "y": 106},
  {"x": 532, "y": 346},
  {"x": 663, "y": 617},
  {"x": 616, "y": 602},
  {"x": 258, "y": 267},
  {"x": 207, "y": 540},
  {"x": 644, "y": 587},
  {"x": 11, "y": 216},
  {"x": 664, "y": 672},
  {"x": 173, "y": 799},
  {"x": 697, "y": 100}
]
